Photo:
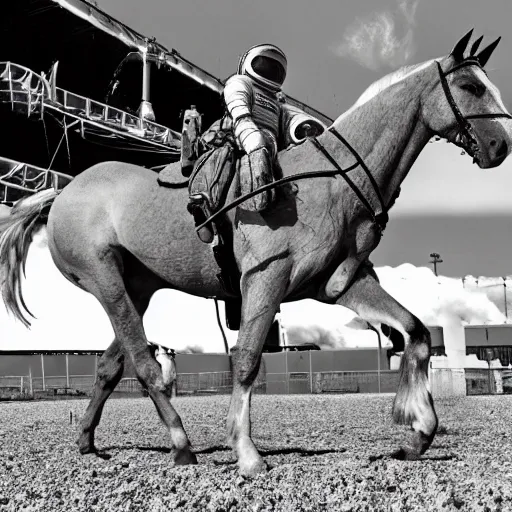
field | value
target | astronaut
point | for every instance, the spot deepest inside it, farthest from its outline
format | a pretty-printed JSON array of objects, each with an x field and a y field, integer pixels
[
  {"x": 252, "y": 101},
  {"x": 263, "y": 123}
]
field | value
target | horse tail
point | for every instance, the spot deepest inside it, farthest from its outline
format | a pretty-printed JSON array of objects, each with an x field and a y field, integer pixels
[{"x": 16, "y": 232}]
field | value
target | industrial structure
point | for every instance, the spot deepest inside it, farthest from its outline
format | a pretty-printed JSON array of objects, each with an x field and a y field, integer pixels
[{"x": 95, "y": 90}]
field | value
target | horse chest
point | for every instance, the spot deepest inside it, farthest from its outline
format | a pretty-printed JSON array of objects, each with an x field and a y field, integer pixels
[{"x": 356, "y": 248}]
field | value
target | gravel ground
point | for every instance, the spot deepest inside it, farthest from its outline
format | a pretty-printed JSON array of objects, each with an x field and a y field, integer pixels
[{"x": 324, "y": 453}]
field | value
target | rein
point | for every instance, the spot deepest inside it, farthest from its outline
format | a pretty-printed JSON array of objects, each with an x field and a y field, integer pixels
[{"x": 380, "y": 218}]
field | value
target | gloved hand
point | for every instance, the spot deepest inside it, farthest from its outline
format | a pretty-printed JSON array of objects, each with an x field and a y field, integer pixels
[{"x": 248, "y": 135}]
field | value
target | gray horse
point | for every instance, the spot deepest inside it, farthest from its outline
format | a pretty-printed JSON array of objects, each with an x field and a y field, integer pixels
[{"x": 118, "y": 235}]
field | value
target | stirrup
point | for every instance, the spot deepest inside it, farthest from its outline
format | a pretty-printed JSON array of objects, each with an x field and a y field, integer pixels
[{"x": 196, "y": 206}]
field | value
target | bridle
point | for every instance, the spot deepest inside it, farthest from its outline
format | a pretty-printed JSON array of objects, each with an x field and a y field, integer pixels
[{"x": 465, "y": 134}]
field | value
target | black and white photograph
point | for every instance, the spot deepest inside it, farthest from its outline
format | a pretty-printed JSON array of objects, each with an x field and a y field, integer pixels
[{"x": 256, "y": 255}]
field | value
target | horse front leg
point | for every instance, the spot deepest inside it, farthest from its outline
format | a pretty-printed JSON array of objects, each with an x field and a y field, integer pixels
[
  {"x": 413, "y": 404},
  {"x": 262, "y": 293}
]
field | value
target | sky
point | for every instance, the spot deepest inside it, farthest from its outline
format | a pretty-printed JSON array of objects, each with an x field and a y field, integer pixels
[{"x": 335, "y": 49}]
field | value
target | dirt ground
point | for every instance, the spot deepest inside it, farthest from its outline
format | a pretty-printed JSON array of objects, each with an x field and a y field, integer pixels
[{"x": 323, "y": 452}]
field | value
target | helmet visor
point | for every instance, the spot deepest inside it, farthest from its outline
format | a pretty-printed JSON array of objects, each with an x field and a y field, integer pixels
[{"x": 269, "y": 68}]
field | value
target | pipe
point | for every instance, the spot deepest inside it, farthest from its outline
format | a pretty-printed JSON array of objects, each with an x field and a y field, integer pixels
[{"x": 146, "y": 109}]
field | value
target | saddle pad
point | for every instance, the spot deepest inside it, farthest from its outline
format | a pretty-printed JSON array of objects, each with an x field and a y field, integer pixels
[
  {"x": 171, "y": 176},
  {"x": 213, "y": 175}
]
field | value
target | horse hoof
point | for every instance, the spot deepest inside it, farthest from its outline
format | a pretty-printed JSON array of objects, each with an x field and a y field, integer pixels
[
  {"x": 405, "y": 454},
  {"x": 417, "y": 446},
  {"x": 86, "y": 450},
  {"x": 86, "y": 447},
  {"x": 252, "y": 470},
  {"x": 184, "y": 457}
]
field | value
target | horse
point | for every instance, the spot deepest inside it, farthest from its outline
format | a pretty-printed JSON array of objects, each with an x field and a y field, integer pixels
[{"x": 114, "y": 232}]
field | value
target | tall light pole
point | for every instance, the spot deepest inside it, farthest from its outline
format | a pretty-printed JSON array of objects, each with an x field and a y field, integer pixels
[{"x": 435, "y": 260}]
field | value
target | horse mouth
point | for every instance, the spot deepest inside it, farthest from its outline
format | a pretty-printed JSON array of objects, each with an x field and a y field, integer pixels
[{"x": 468, "y": 145}]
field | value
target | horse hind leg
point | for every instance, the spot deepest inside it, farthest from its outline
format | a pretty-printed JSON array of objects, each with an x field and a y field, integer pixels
[
  {"x": 108, "y": 374},
  {"x": 103, "y": 279}
]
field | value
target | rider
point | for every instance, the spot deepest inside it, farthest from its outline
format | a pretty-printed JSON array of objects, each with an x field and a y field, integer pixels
[
  {"x": 263, "y": 123},
  {"x": 260, "y": 121},
  {"x": 252, "y": 99}
]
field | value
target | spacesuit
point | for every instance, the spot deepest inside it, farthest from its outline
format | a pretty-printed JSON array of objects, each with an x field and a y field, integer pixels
[
  {"x": 263, "y": 123},
  {"x": 251, "y": 98}
]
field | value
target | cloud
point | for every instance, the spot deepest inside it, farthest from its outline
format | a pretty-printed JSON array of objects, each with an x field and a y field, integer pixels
[
  {"x": 330, "y": 327},
  {"x": 373, "y": 41},
  {"x": 432, "y": 297},
  {"x": 5, "y": 210},
  {"x": 441, "y": 301}
]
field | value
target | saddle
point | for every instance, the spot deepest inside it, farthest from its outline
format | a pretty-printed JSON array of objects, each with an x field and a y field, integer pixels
[
  {"x": 208, "y": 186},
  {"x": 171, "y": 176}
]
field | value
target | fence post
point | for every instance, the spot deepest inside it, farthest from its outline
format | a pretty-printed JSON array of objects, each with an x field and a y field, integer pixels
[
  {"x": 42, "y": 369},
  {"x": 21, "y": 384},
  {"x": 30, "y": 380},
  {"x": 286, "y": 372},
  {"x": 310, "y": 373},
  {"x": 378, "y": 362},
  {"x": 67, "y": 371}
]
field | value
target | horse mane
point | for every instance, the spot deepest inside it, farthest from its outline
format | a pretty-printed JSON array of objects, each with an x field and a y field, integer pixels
[{"x": 389, "y": 80}]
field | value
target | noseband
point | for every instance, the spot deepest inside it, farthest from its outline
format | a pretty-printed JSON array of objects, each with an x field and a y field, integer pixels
[{"x": 465, "y": 133}]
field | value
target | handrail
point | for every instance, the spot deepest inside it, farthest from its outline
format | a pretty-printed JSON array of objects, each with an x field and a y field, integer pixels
[
  {"x": 24, "y": 182},
  {"x": 37, "y": 98}
]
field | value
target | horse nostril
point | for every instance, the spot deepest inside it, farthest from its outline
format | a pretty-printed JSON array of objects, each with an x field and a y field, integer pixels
[
  {"x": 493, "y": 143},
  {"x": 502, "y": 151}
]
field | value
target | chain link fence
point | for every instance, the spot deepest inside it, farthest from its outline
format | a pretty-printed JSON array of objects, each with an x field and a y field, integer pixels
[{"x": 444, "y": 382}]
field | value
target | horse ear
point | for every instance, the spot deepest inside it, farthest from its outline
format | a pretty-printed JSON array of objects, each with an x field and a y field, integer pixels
[
  {"x": 475, "y": 46},
  {"x": 486, "y": 53},
  {"x": 458, "y": 50}
]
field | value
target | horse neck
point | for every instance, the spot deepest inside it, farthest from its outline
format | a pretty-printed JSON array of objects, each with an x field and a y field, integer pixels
[{"x": 387, "y": 133}]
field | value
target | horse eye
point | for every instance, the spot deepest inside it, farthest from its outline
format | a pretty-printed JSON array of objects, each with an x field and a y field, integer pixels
[{"x": 473, "y": 89}]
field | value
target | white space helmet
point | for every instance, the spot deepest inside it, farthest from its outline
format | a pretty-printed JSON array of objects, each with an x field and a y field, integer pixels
[{"x": 265, "y": 64}]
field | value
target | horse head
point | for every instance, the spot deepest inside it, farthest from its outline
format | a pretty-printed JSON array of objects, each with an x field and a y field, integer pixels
[{"x": 466, "y": 108}]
